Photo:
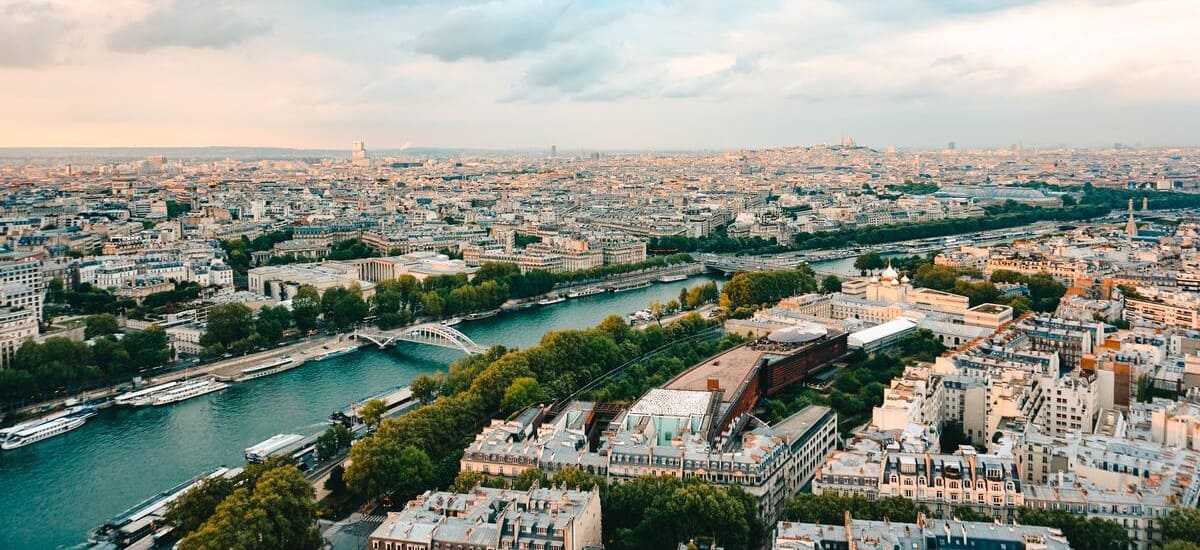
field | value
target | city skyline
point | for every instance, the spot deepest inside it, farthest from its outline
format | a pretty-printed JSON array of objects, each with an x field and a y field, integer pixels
[{"x": 597, "y": 76}]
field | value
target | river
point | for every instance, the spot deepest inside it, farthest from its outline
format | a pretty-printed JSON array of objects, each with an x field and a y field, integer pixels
[
  {"x": 845, "y": 266},
  {"x": 56, "y": 490}
]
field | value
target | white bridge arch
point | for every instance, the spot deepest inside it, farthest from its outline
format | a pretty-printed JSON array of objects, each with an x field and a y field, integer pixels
[{"x": 432, "y": 334}]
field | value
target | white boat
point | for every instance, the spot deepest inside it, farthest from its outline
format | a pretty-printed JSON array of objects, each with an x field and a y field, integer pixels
[
  {"x": 42, "y": 431},
  {"x": 189, "y": 390},
  {"x": 672, "y": 278},
  {"x": 84, "y": 412},
  {"x": 261, "y": 452},
  {"x": 641, "y": 316},
  {"x": 551, "y": 301},
  {"x": 589, "y": 291},
  {"x": 267, "y": 369},
  {"x": 481, "y": 315},
  {"x": 141, "y": 525},
  {"x": 141, "y": 398},
  {"x": 632, "y": 287},
  {"x": 338, "y": 352},
  {"x": 452, "y": 321}
]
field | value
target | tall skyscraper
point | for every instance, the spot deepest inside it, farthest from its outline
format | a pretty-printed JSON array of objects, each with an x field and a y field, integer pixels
[
  {"x": 950, "y": 145},
  {"x": 553, "y": 151},
  {"x": 358, "y": 153}
]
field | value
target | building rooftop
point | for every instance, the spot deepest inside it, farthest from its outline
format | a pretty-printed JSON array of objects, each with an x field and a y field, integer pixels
[
  {"x": 674, "y": 403},
  {"x": 730, "y": 370}
]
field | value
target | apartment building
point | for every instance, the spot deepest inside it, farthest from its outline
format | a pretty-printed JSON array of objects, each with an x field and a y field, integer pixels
[
  {"x": 501, "y": 519},
  {"x": 1068, "y": 405},
  {"x": 1164, "y": 311},
  {"x": 666, "y": 432},
  {"x": 282, "y": 282},
  {"x": 925, "y": 534},
  {"x": 16, "y": 326},
  {"x": 1065, "y": 270}
]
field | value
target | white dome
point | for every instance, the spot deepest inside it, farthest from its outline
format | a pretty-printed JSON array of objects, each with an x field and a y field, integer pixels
[
  {"x": 889, "y": 273},
  {"x": 798, "y": 334},
  {"x": 904, "y": 279},
  {"x": 874, "y": 279}
]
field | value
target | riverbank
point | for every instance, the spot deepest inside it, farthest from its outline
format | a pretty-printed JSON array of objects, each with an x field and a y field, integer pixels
[
  {"x": 305, "y": 348},
  {"x": 59, "y": 488},
  {"x": 314, "y": 345}
]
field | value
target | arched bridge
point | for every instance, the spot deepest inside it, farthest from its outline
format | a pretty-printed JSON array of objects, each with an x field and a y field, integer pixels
[{"x": 433, "y": 334}]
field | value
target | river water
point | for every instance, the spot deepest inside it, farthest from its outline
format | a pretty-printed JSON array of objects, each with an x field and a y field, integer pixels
[{"x": 55, "y": 490}]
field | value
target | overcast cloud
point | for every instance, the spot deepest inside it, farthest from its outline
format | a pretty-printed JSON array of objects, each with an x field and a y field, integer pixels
[{"x": 662, "y": 74}]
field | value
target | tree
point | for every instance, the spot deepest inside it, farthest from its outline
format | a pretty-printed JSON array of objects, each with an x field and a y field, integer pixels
[
  {"x": 306, "y": 306},
  {"x": 1045, "y": 291},
  {"x": 147, "y": 349},
  {"x": 1082, "y": 532},
  {"x": 869, "y": 261},
  {"x": 212, "y": 351},
  {"x": 279, "y": 512},
  {"x": 100, "y": 324},
  {"x": 574, "y": 478},
  {"x": 1008, "y": 276},
  {"x": 227, "y": 323},
  {"x": 343, "y": 307},
  {"x": 372, "y": 412},
  {"x": 432, "y": 304},
  {"x": 528, "y": 477},
  {"x": 1181, "y": 545},
  {"x": 766, "y": 287},
  {"x": 831, "y": 284},
  {"x": 335, "y": 438},
  {"x": 194, "y": 507},
  {"x": 1182, "y": 524},
  {"x": 659, "y": 512},
  {"x": 110, "y": 356},
  {"x": 466, "y": 481},
  {"x": 386, "y": 467},
  {"x": 426, "y": 386},
  {"x": 522, "y": 393},
  {"x": 336, "y": 483},
  {"x": 271, "y": 323},
  {"x": 937, "y": 277},
  {"x": 683, "y": 298},
  {"x": 657, "y": 310}
]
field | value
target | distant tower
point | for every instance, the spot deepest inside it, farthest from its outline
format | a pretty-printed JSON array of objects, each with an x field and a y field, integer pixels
[
  {"x": 1131, "y": 226},
  {"x": 358, "y": 153},
  {"x": 553, "y": 151},
  {"x": 951, "y": 145},
  {"x": 157, "y": 162},
  {"x": 1145, "y": 203}
]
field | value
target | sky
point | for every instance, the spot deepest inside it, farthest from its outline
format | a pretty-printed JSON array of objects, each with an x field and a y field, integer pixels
[{"x": 650, "y": 74}]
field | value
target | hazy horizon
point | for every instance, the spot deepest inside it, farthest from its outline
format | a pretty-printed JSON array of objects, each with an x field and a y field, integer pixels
[{"x": 597, "y": 75}]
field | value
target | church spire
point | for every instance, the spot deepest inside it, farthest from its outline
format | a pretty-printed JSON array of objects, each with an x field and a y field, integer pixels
[{"x": 1131, "y": 225}]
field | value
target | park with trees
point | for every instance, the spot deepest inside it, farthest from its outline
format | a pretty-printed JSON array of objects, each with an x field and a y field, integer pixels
[{"x": 58, "y": 366}]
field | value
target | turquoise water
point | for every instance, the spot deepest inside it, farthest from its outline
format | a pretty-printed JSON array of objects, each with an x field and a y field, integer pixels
[
  {"x": 844, "y": 266},
  {"x": 55, "y": 490}
]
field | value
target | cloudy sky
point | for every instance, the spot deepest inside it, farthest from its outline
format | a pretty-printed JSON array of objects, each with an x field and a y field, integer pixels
[{"x": 598, "y": 74}]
